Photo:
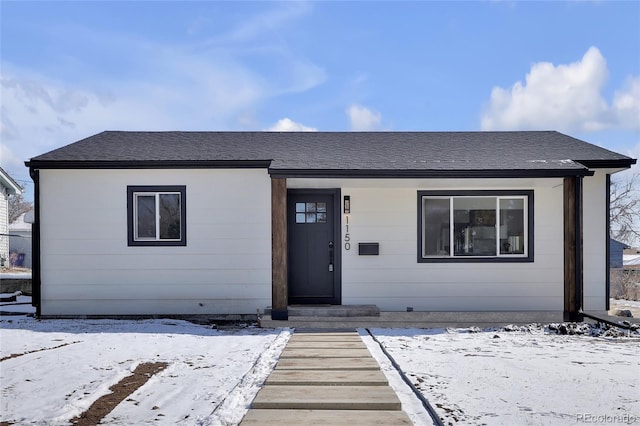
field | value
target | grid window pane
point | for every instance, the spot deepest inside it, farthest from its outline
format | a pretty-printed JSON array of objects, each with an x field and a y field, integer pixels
[{"x": 311, "y": 212}]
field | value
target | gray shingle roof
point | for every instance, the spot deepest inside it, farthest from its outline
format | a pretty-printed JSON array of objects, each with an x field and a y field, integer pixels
[{"x": 337, "y": 152}]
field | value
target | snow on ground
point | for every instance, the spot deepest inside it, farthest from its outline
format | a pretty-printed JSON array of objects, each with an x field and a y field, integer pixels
[
  {"x": 15, "y": 274},
  {"x": 69, "y": 364},
  {"x": 21, "y": 306},
  {"x": 630, "y": 305},
  {"x": 523, "y": 377},
  {"x": 410, "y": 403}
]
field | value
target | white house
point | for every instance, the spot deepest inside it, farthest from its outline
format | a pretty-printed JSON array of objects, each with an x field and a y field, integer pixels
[
  {"x": 159, "y": 223},
  {"x": 8, "y": 187}
]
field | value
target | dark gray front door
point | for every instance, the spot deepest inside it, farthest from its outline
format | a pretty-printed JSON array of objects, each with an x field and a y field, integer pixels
[{"x": 313, "y": 263}]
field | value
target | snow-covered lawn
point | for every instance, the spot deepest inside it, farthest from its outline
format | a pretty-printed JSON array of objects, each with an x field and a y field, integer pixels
[
  {"x": 524, "y": 376},
  {"x": 68, "y": 364},
  {"x": 527, "y": 376}
]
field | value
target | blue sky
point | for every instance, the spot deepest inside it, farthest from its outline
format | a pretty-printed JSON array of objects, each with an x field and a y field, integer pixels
[{"x": 73, "y": 69}]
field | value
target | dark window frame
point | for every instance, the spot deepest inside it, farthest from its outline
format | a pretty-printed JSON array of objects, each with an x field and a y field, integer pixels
[
  {"x": 479, "y": 193},
  {"x": 132, "y": 190}
]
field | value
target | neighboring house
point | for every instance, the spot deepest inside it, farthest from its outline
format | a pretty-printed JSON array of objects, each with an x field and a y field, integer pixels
[
  {"x": 157, "y": 223},
  {"x": 617, "y": 275},
  {"x": 628, "y": 280},
  {"x": 616, "y": 248},
  {"x": 20, "y": 240},
  {"x": 8, "y": 187}
]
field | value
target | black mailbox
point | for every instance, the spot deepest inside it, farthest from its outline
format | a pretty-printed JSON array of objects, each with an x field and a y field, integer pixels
[{"x": 368, "y": 249}]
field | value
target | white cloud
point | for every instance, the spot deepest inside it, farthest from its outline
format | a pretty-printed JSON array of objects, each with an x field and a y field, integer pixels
[
  {"x": 564, "y": 97},
  {"x": 633, "y": 152},
  {"x": 157, "y": 86},
  {"x": 267, "y": 22},
  {"x": 626, "y": 104},
  {"x": 288, "y": 125},
  {"x": 362, "y": 118},
  {"x": 39, "y": 114}
]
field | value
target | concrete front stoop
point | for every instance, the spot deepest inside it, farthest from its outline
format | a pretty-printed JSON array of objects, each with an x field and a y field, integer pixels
[
  {"x": 326, "y": 379},
  {"x": 432, "y": 319},
  {"x": 334, "y": 311}
]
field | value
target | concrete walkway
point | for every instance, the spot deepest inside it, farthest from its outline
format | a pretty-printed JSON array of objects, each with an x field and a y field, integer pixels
[{"x": 326, "y": 379}]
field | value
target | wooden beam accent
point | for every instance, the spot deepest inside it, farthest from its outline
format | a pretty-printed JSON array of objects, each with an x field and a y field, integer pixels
[
  {"x": 279, "y": 288},
  {"x": 569, "y": 245},
  {"x": 572, "y": 247}
]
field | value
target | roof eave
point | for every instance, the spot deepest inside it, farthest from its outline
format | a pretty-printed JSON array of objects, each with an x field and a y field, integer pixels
[
  {"x": 161, "y": 164},
  {"x": 428, "y": 174},
  {"x": 623, "y": 163}
]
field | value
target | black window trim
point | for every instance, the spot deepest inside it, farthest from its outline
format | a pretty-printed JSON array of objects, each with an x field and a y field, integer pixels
[
  {"x": 480, "y": 193},
  {"x": 131, "y": 190}
]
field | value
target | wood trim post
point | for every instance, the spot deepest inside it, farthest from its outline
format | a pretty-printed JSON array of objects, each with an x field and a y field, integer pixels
[
  {"x": 279, "y": 288},
  {"x": 579, "y": 248},
  {"x": 572, "y": 201}
]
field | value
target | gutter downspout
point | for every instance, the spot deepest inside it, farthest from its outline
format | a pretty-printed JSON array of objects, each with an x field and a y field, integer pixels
[
  {"x": 607, "y": 290},
  {"x": 36, "y": 281}
]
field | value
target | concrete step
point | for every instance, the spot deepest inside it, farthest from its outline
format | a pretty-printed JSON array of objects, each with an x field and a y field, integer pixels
[
  {"x": 327, "y": 364},
  {"x": 324, "y": 353},
  {"x": 327, "y": 398},
  {"x": 310, "y": 344},
  {"x": 324, "y": 337},
  {"x": 327, "y": 378},
  {"x": 337, "y": 319},
  {"x": 325, "y": 417},
  {"x": 330, "y": 311}
]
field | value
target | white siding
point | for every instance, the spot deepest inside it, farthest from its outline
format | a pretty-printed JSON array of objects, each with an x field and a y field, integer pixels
[
  {"x": 385, "y": 211},
  {"x": 88, "y": 268},
  {"x": 595, "y": 241}
]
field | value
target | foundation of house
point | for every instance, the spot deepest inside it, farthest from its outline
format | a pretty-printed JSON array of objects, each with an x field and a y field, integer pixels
[{"x": 303, "y": 319}]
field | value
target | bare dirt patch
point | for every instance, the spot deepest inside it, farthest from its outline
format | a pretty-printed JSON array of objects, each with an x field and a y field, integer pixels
[
  {"x": 37, "y": 350},
  {"x": 125, "y": 387}
]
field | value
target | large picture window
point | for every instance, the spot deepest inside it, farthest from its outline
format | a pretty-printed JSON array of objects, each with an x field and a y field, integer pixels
[
  {"x": 156, "y": 215},
  {"x": 475, "y": 226}
]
